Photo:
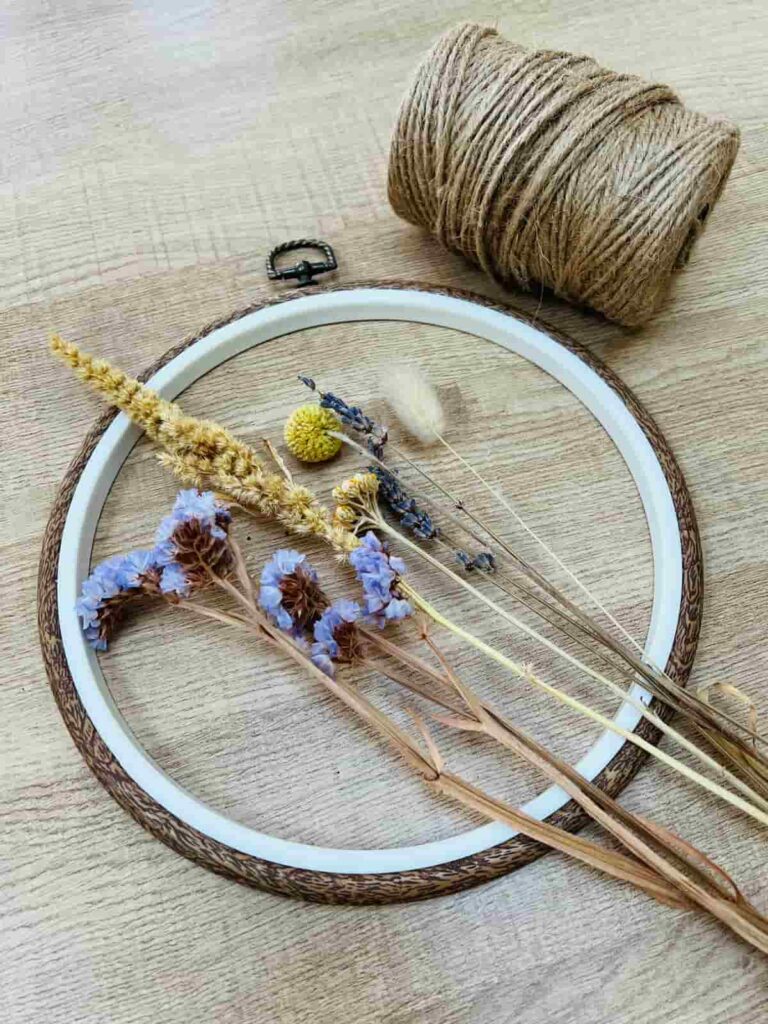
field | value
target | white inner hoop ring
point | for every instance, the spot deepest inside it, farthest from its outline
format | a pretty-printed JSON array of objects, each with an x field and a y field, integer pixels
[{"x": 275, "y": 321}]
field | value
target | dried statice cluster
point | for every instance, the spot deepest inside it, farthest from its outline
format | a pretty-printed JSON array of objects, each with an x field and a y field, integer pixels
[
  {"x": 191, "y": 548},
  {"x": 291, "y": 595},
  {"x": 290, "y": 592},
  {"x": 337, "y": 636},
  {"x": 380, "y": 573},
  {"x": 107, "y": 590}
]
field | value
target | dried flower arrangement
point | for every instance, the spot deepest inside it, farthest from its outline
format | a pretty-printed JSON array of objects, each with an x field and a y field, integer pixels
[{"x": 288, "y": 608}]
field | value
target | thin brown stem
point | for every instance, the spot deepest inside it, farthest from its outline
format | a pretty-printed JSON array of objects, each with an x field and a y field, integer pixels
[
  {"x": 710, "y": 887},
  {"x": 204, "y": 611},
  {"x": 658, "y": 682},
  {"x": 649, "y": 876}
]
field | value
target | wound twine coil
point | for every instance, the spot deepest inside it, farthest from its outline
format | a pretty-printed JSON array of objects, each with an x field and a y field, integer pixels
[{"x": 548, "y": 170}]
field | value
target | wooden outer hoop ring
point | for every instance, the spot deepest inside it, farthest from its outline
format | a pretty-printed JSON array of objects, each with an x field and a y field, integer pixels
[{"x": 327, "y": 887}]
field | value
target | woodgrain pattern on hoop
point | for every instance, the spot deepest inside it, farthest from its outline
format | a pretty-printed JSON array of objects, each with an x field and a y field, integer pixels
[{"x": 327, "y": 887}]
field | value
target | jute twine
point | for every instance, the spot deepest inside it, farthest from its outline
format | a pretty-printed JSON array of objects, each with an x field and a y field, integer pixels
[{"x": 546, "y": 169}]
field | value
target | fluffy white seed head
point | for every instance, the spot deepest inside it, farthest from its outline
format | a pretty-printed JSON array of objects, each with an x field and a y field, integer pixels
[{"x": 414, "y": 401}]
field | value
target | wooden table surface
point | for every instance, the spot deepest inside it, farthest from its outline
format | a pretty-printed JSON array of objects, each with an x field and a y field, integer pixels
[{"x": 152, "y": 154}]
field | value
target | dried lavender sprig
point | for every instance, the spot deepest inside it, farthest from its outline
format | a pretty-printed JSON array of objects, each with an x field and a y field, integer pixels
[
  {"x": 413, "y": 518},
  {"x": 420, "y": 523},
  {"x": 403, "y": 505},
  {"x": 352, "y": 416},
  {"x": 484, "y": 561}
]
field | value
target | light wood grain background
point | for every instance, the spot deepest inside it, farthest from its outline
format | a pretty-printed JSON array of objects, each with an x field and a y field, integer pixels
[{"x": 151, "y": 155}]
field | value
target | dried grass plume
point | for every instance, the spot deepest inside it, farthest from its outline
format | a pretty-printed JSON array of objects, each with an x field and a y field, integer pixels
[
  {"x": 414, "y": 401},
  {"x": 202, "y": 453}
]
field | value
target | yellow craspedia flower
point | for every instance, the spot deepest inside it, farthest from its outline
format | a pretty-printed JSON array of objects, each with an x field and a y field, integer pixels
[{"x": 306, "y": 433}]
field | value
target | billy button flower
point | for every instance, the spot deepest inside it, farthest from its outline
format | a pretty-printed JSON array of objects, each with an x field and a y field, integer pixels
[
  {"x": 290, "y": 592},
  {"x": 351, "y": 416},
  {"x": 306, "y": 433}
]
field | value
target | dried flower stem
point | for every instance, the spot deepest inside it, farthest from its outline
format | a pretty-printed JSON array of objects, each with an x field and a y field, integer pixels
[
  {"x": 617, "y": 865},
  {"x": 756, "y": 806},
  {"x": 696, "y": 877},
  {"x": 429, "y": 766},
  {"x": 534, "y": 752},
  {"x": 694, "y": 874},
  {"x": 206, "y": 612},
  {"x": 519, "y": 670},
  {"x": 719, "y": 728},
  {"x": 202, "y": 452},
  {"x": 742, "y": 919}
]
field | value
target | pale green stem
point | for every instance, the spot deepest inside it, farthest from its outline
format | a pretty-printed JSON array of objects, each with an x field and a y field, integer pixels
[
  {"x": 542, "y": 544},
  {"x": 583, "y": 709},
  {"x": 723, "y": 773},
  {"x": 613, "y": 687}
]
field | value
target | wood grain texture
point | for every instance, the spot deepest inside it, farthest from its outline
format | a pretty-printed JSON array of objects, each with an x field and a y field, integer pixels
[
  {"x": 152, "y": 157},
  {"x": 323, "y": 886}
]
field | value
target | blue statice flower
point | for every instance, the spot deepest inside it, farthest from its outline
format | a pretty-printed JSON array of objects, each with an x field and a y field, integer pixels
[
  {"x": 352, "y": 416},
  {"x": 290, "y": 592},
  {"x": 336, "y": 635},
  {"x": 392, "y": 493},
  {"x": 188, "y": 542},
  {"x": 280, "y": 565},
  {"x": 103, "y": 593},
  {"x": 191, "y": 540},
  {"x": 174, "y": 580},
  {"x": 135, "y": 566},
  {"x": 378, "y": 572}
]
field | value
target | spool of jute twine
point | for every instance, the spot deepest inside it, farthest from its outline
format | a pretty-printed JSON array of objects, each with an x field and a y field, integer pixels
[{"x": 548, "y": 170}]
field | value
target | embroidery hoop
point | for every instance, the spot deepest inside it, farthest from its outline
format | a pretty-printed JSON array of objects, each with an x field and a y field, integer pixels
[{"x": 227, "y": 847}]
